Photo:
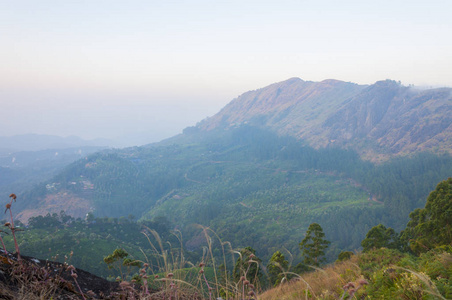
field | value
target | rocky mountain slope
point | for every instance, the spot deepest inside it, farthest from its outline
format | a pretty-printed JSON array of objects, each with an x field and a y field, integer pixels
[{"x": 378, "y": 121}]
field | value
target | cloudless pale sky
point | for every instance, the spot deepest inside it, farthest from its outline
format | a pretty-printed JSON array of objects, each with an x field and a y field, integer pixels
[{"x": 104, "y": 68}]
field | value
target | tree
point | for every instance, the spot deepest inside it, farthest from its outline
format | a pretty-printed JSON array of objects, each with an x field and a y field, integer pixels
[
  {"x": 313, "y": 245},
  {"x": 90, "y": 217},
  {"x": 118, "y": 258},
  {"x": 276, "y": 267},
  {"x": 64, "y": 218},
  {"x": 430, "y": 227},
  {"x": 379, "y": 236},
  {"x": 47, "y": 221}
]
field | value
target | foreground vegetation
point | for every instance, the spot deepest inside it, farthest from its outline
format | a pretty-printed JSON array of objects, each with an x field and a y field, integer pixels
[
  {"x": 377, "y": 274},
  {"x": 413, "y": 264}
]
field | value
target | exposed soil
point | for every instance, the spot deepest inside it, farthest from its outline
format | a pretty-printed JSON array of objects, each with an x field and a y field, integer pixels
[{"x": 54, "y": 203}]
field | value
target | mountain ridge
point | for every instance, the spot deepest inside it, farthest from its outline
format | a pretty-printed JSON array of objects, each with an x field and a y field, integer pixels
[{"x": 378, "y": 121}]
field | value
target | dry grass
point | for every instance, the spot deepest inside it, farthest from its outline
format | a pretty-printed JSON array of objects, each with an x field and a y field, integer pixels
[
  {"x": 22, "y": 293},
  {"x": 324, "y": 283}
]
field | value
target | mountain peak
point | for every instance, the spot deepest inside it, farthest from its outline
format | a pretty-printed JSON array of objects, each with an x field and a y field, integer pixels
[
  {"x": 293, "y": 80},
  {"x": 331, "y": 81}
]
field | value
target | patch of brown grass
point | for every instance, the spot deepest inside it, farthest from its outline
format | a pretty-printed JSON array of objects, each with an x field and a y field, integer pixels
[{"x": 324, "y": 283}]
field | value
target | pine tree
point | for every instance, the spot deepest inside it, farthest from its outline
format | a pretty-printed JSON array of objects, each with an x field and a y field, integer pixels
[{"x": 313, "y": 245}]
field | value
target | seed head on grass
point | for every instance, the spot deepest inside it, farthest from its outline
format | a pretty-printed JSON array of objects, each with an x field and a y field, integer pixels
[
  {"x": 91, "y": 293},
  {"x": 70, "y": 268},
  {"x": 74, "y": 275},
  {"x": 362, "y": 282},
  {"x": 349, "y": 285}
]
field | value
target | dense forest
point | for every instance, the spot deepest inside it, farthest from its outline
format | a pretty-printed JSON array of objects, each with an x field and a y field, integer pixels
[{"x": 252, "y": 187}]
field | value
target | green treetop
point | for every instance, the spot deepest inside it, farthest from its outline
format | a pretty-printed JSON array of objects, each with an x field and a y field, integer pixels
[
  {"x": 380, "y": 236},
  {"x": 276, "y": 267},
  {"x": 430, "y": 227},
  {"x": 313, "y": 245}
]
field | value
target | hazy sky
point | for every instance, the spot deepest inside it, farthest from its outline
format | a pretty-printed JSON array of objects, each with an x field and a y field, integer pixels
[{"x": 112, "y": 68}]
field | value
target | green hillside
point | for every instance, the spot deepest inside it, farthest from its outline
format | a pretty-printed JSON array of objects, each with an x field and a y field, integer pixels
[
  {"x": 251, "y": 186},
  {"x": 85, "y": 243}
]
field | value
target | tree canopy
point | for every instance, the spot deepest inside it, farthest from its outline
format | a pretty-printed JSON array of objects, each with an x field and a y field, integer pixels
[
  {"x": 276, "y": 267},
  {"x": 380, "y": 236},
  {"x": 430, "y": 227},
  {"x": 313, "y": 245}
]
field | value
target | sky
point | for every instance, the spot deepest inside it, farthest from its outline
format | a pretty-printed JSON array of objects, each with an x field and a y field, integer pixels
[{"x": 142, "y": 70}]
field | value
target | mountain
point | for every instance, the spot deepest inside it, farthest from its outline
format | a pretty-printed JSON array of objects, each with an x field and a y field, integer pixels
[
  {"x": 270, "y": 163},
  {"x": 378, "y": 121}
]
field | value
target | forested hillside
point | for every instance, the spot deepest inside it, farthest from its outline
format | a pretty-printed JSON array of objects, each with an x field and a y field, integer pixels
[
  {"x": 414, "y": 263},
  {"x": 249, "y": 185},
  {"x": 269, "y": 164}
]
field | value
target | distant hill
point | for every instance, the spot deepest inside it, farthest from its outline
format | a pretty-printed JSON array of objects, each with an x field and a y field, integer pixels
[
  {"x": 20, "y": 171},
  {"x": 27, "y": 160},
  {"x": 378, "y": 121},
  {"x": 37, "y": 142}
]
